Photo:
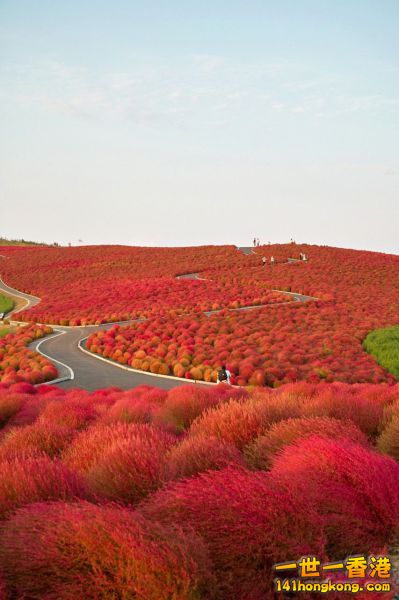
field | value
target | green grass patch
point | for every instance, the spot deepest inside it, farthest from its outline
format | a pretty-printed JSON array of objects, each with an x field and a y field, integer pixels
[
  {"x": 6, "y": 303},
  {"x": 383, "y": 344},
  {"x": 5, "y": 330}
]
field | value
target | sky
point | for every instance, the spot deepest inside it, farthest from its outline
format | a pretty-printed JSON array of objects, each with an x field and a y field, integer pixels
[{"x": 179, "y": 122}]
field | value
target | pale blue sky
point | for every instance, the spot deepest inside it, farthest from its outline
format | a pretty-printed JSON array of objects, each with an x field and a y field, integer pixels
[{"x": 181, "y": 122}]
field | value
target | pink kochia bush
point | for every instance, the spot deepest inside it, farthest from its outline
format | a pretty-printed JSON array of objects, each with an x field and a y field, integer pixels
[
  {"x": 247, "y": 522},
  {"x": 354, "y": 490},
  {"x": 120, "y": 462},
  {"x": 35, "y": 479},
  {"x": 63, "y": 551},
  {"x": 260, "y": 453}
]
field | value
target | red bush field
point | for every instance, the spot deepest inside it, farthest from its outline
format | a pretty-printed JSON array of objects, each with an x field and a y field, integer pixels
[
  {"x": 157, "y": 495},
  {"x": 195, "y": 493},
  {"x": 355, "y": 488},
  {"x": 315, "y": 341},
  {"x": 249, "y": 536},
  {"x": 101, "y": 552},
  {"x": 90, "y": 285},
  {"x": 18, "y": 363}
]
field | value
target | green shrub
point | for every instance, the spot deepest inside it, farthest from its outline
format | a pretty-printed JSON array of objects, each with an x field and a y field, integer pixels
[
  {"x": 6, "y": 304},
  {"x": 383, "y": 344}
]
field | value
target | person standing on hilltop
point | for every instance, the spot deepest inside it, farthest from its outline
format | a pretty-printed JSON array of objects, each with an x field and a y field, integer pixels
[
  {"x": 254, "y": 242},
  {"x": 224, "y": 376}
]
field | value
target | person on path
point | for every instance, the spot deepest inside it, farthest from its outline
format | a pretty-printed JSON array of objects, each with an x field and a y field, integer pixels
[
  {"x": 224, "y": 376},
  {"x": 304, "y": 257},
  {"x": 273, "y": 261},
  {"x": 264, "y": 261}
]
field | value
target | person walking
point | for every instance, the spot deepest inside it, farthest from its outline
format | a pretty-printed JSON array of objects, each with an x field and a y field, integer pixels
[
  {"x": 272, "y": 261},
  {"x": 264, "y": 261},
  {"x": 254, "y": 242},
  {"x": 224, "y": 376}
]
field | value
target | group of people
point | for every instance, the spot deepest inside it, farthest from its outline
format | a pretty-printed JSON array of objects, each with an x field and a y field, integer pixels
[
  {"x": 224, "y": 375},
  {"x": 256, "y": 242},
  {"x": 272, "y": 260}
]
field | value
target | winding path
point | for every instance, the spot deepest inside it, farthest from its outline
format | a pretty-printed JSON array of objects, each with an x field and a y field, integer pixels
[{"x": 78, "y": 368}]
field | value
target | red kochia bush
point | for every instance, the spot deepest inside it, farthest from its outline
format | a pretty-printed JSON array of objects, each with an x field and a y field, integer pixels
[
  {"x": 29, "y": 411},
  {"x": 355, "y": 490},
  {"x": 34, "y": 480},
  {"x": 64, "y": 551},
  {"x": 388, "y": 442},
  {"x": 3, "y": 593},
  {"x": 183, "y": 404},
  {"x": 198, "y": 454},
  {"x": 364, "y": 405},
  {"x": 72, "y": 412},
  {"x": 35, "y": 440},
  {"x": 88, "y": 446},
  {"x": 261, "y": 452},
  {"x": 247, "y": 523},
  {"x": 130, "y": 409},
  {"x": 10, "y": 404},
  {"x": 240, "y": 422},
  {"x": 126, "y": 467}
]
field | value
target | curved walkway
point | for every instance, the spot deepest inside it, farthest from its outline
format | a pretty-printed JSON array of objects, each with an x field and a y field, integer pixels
[{"x": 78, "y": 368}]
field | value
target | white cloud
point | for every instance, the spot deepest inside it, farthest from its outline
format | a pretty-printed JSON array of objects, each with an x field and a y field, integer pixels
[{"x": 194, "y": 89}]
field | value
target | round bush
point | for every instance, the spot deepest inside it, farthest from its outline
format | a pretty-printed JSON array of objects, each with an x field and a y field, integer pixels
[
  {"x": 184, "y": 403},
  {"x": 89, "y": 445},
  {"x": 74, "y": 413},
  {"x": 355, "y": 490},
  {"x": 35, "y": 440},
  {"x": 10, "y": 404},
  {"x": 388, "y": 442},
  {"x": 247, "y": 523},
  {"x": 199, "y": 454},
  {"x": 65, "y": 551},
  {"x": 260, "y": 453},
  {"x": 358, "y": 404},
  {"x": 240, "y": 422},
  {"x": 3, "y": 591},
  {"x": 130, "y": 410},
  {"x": 127, "y": 466},
  {"x": 34, "y": 480}
]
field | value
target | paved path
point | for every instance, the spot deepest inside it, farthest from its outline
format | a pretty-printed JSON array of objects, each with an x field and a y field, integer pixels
[
  {"x": 247, "y": 249},
  {"x": 88, "y": 371},
  {"x": 78, "y": 369},
  {"x": 30, "y": 301}
]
